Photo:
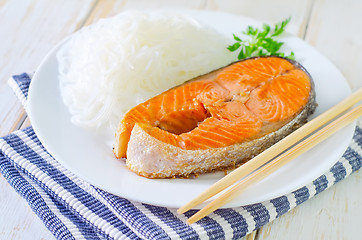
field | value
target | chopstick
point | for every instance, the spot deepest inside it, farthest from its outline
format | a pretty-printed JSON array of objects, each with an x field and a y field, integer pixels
[
  {"x": 278, "y": 162},
  {"x": 273, "y": 151}
]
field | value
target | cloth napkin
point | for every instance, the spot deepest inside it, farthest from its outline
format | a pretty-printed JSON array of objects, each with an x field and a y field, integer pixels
[{"x": 73, "y": 209}]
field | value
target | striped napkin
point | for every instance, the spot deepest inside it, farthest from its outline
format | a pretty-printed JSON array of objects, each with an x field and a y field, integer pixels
[{"x": 73, "y": 209}]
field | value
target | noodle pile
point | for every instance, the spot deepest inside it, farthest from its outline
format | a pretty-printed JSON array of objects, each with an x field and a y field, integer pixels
[{"x": 111, "y": 66}]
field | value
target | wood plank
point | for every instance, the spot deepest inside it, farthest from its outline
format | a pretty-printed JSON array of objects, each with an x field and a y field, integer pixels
[
  {"x": 268, "y": 11},
  {"x": 27, "y": 34},
  {"x": 26, "y": 123},
  {"x": 12, "y": 113},
  {"x": 335, "y": 30},
  {"x": 112, "y": 7},
  {"x": 146, "y": 4}
]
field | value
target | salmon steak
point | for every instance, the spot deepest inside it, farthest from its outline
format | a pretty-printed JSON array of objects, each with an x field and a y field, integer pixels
[{"x": 216, "y": 121}]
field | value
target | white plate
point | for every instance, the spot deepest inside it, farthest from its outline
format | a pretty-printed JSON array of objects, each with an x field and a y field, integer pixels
[{"x": 90, "y": 156}]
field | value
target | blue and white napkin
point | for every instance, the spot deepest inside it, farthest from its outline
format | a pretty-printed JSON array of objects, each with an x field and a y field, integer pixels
[{"x": 73, "y": 209}]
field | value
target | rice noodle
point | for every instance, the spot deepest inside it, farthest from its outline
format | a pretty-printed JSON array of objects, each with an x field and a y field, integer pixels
[{"x": 113, "y": 65}]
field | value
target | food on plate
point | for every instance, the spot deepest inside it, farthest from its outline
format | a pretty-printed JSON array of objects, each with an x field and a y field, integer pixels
[
  {"x": 213, "y": 121},
  {"x": 111, "y": 66},
  {"x": 218, "y": 120}
]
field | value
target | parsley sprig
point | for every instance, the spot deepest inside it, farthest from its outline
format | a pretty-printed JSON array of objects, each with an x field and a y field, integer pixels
[{"x": 261, "y": 42}]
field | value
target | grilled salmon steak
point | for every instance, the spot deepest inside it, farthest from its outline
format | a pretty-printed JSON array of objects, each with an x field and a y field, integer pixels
[{"x": 218, "y": 120}]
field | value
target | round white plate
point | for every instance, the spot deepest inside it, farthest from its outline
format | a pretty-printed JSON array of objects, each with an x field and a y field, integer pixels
[{"x": 90, "y": 156}]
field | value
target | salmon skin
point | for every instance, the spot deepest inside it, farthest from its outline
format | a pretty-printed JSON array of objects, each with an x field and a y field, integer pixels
[{"x": 218, "y": 120}]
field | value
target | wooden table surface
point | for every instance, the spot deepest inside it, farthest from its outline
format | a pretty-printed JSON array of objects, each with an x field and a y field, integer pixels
[{"x": 30, "y": 28}]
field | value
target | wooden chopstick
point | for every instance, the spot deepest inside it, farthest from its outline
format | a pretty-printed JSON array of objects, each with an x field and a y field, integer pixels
[
  {"x": 273, "y": 151},
  {"x": 279, "y": 161}
]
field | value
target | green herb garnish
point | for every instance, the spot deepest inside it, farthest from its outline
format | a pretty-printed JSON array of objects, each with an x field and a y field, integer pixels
[{"x": 261, "y": 42}]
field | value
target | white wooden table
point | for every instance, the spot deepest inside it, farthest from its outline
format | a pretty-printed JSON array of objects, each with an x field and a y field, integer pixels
[{"x": 30, "y": 28}]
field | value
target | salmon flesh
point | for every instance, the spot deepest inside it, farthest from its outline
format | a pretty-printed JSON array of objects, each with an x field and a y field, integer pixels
[{"x": 218, "y": 120}]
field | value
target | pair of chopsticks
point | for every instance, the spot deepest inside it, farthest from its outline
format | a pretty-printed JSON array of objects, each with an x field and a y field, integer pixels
[{"x": 280, "y": 153}]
